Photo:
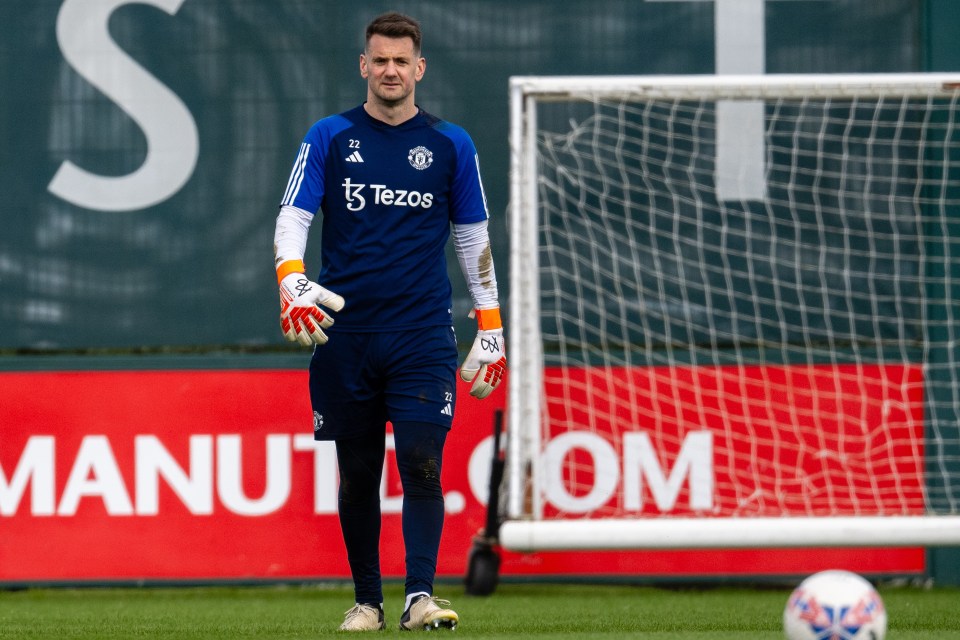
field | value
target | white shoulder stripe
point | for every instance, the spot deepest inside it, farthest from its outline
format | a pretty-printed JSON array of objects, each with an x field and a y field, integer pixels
[
  {"x": 296, "y": 175},
  {"x": 483, "y": 194}
]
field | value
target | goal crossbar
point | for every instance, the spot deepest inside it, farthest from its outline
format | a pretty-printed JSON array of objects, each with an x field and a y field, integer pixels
[{"x": 741, "y": 87}]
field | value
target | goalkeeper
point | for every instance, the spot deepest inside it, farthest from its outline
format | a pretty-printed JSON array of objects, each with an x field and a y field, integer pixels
[{"x": 391, "y": 181}]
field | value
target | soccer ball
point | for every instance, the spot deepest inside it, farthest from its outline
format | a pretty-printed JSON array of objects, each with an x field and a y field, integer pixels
[{"x": 835, "y": 605}]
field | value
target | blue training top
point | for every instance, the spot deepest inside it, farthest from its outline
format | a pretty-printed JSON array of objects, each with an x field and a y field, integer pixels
[{"x": 388, "y": 195}]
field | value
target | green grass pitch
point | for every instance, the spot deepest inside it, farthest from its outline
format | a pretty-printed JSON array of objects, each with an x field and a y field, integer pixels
[{"x": 520, "y": 610}]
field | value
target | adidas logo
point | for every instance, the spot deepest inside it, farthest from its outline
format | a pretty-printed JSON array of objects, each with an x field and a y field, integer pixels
[
  {"x": 447, "y": 411},
  {"x": 355, "y": 157}
]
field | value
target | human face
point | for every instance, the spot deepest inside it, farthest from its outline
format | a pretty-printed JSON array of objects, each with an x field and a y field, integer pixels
[{"x": 392, "y": 69}]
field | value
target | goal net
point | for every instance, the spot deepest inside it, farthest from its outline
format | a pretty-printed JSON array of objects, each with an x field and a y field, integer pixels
[{"x": 734, "y": 311}]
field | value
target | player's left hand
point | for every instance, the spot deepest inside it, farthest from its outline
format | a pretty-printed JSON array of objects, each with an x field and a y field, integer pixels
[
  {"x": 300, "y": 318},
  {"x": 486, "y": 363}
]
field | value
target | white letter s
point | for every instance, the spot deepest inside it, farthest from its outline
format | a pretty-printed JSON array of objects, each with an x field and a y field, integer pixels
[{"x": 171, "y": 133}]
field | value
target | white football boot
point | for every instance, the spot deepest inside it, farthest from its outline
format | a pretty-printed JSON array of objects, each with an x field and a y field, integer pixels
[
  {"x": 428, "y": 613},
  {"x": 363, "y": 617}
]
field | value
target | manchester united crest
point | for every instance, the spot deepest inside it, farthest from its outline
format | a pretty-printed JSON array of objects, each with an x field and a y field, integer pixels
[{"x": 420, "y": 158}]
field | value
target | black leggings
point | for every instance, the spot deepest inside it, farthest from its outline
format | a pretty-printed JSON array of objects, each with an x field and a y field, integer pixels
[{"x": 419, "y": 450}]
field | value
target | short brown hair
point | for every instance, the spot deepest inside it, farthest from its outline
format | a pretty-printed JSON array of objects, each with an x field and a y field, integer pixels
[{"x": 396, "y": 25}]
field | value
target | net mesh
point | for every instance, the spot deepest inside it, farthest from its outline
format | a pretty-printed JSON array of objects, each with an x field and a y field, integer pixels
[{"x": 788, "y": 350}]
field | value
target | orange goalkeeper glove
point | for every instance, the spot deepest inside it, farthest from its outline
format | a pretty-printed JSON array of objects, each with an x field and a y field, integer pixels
[
  {"x": 486, "y": 364},
  {"x": 300, "y": 318}
]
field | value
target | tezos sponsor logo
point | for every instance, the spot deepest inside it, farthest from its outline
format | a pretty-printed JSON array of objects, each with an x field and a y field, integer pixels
[{"x": 356, "y": 196}]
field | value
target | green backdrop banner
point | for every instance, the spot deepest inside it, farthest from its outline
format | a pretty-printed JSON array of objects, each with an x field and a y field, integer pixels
[{"x": 147, "y": 143}]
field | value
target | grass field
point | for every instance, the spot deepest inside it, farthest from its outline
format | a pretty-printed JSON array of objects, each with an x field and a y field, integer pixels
[{"x": 515, "y": 611}]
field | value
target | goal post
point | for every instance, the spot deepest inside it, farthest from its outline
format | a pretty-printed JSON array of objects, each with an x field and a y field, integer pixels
[{"x": 734, "y": 312}]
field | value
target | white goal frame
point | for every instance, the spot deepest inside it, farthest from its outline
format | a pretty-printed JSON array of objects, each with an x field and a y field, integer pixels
[{"x": 523, "y": 529}]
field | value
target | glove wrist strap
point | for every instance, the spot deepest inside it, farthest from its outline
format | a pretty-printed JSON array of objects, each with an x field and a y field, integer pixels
[
  {"x": 489, "y": 319},
  {"x": 288, "y": 267}
]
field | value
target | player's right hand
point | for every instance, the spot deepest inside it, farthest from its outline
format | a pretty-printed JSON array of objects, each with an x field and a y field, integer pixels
[{"x": 300, "y": 318}]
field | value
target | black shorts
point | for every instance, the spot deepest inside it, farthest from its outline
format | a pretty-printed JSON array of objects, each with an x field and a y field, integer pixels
[{"x": 359, "y": 381}]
